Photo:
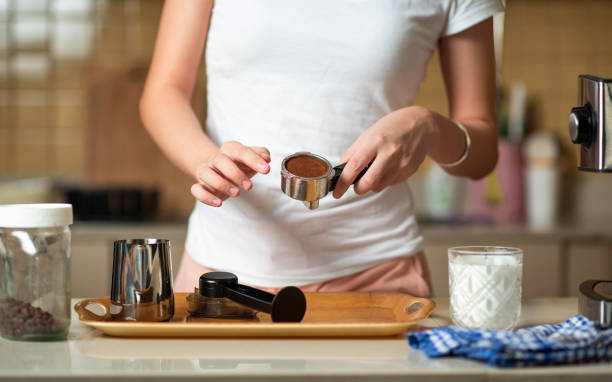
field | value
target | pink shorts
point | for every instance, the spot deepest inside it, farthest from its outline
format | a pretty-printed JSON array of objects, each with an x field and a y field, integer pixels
[{"x": 408, "y": 274}]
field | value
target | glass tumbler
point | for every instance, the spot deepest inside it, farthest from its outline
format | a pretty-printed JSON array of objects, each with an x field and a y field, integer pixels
[
  {"x": 35, "y": 271},
  {"x": 485, "y": 286}
]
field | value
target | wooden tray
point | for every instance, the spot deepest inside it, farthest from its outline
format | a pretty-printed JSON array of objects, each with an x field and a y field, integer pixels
[{"x": 327, "y": 315}]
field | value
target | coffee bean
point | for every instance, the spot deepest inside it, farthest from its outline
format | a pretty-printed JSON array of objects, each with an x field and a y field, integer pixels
[{"x": 19, "y": 318}]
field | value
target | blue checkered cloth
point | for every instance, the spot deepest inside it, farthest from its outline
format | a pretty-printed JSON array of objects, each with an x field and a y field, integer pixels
[{"x": 577, "y": 340}]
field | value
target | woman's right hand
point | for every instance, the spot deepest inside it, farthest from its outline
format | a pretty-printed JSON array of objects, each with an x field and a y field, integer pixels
[{"x": 228, "y": 170}]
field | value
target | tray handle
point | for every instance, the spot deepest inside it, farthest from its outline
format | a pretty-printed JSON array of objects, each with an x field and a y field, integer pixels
[
  {"x": 87, "y": 315},
  {"x": 420, "y": 311}
]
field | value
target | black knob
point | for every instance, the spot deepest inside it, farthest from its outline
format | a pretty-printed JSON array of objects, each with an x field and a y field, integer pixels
[
  {"x": 212, "y": 283},
  {"x": 581, "y": 125}
]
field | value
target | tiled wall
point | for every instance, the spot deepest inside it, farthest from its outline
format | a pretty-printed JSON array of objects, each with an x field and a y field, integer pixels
[{"x": 50, "y": 52}]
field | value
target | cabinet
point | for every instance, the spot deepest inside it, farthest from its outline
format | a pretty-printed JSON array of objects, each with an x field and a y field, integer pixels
[{"x": 554, "y": 263}]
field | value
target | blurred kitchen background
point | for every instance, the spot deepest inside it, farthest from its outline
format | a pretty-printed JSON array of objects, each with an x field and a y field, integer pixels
[{"x": 72, "y": 71}]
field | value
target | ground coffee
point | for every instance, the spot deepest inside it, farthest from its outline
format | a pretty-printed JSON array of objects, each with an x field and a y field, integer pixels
[{"x": 306, "y": 166}]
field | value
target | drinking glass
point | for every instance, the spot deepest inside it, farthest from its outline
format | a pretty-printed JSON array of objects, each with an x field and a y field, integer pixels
[{"x": 485, "y": 286}]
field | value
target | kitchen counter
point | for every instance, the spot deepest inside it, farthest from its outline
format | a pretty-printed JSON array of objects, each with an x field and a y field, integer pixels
[{"x": 90, "y": 355}]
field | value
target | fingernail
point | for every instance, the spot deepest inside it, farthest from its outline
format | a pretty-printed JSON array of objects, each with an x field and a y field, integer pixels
[
  {"x": 216, "y": 202},
  {"x": 263, "y": 167},
  {"x": 233, "y": 190},
  {"x": 246, "y": 184}
]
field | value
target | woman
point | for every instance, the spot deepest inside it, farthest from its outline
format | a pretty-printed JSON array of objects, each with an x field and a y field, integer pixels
[{"x": 336, "y": 78}]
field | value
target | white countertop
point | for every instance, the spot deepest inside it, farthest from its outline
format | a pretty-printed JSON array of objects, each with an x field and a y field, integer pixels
[{"x": 90, "y": 355}]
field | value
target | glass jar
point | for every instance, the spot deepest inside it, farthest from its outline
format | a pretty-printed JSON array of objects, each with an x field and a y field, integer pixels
[{"x": 35, "y": 271}]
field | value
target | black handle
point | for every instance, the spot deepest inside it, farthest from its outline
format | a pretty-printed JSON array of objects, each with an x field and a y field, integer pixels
[
  {"x": 338, "y": 170},
  {"x": 251, "y": 297},
  {"x": 288, "y": 305}
]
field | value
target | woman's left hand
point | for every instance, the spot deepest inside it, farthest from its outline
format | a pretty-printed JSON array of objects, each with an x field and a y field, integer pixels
[{"x": 396, "y": 145}]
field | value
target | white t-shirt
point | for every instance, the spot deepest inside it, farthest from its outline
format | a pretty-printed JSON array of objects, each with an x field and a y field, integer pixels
[{"x": 294, "y": 75}]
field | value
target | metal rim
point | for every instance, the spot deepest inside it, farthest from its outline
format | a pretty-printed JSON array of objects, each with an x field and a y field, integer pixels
[
  {"x": 485, "y": 250},
  {"x": 145, "y": 241}
]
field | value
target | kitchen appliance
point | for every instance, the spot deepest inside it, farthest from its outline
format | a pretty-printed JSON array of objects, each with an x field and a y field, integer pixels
[
  {"x": 141, "y": 283},
  {"x": 219, "y": 292},
  {"x": 309, "y": 177},
  {"x": 595, "y": 301},
  {"x": 590, "y": 125}
]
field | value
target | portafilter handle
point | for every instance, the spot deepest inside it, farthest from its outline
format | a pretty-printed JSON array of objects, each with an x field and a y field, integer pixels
[
  {"x": 338, "y": 171},
  {"x": 288, "y": 305}
]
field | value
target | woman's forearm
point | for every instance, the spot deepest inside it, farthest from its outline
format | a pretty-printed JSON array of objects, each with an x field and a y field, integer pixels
[
  {"x": 169, "y": 118},
  {"x": 451, "y": 145},
  {"x": 468, "y": 65},
  {"x": 165, "y": 107}
]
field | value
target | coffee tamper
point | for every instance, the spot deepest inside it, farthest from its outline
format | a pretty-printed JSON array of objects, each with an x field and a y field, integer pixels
[{"x": 218, "y": 288}]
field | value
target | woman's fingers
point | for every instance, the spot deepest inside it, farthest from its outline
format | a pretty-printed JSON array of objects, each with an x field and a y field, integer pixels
[
  {"x": 216, "y": 182},
  {"x": 247, "y": 156},
  {"x": 262, "y": 152},
  {"x": 347, "y": 155},
  {"x": 205, "y": 196},
  {"x": 230, "y": 170},
  {"x": 352, "y": 168},
  {"x": 247, "y": 170},
  {"x": 372, "y": 179}
]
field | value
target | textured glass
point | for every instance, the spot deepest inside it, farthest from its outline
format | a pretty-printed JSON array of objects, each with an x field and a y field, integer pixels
[{"x": 485, "y": 286}]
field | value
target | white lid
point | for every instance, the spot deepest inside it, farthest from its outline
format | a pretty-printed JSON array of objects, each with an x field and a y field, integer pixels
[{"x": 35, "y": 215}]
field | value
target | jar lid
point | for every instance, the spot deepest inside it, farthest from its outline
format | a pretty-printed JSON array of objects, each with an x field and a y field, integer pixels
[{"x": 35, "y": 215}]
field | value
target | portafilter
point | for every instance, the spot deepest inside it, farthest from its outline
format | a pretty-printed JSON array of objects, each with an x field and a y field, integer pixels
[{"x": 309, "y": 177}]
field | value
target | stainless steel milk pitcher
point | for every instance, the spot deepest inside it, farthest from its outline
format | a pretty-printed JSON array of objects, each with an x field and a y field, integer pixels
[{"x": 141, "y": 285}]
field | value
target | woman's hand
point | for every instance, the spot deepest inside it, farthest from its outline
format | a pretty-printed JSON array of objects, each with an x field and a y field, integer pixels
[
  {"x": 396, "y": 145},
  {"x": 228, "y": 170}
]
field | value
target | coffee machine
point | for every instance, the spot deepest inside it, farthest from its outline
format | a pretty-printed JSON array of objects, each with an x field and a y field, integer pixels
[{"x": 590, "y": 126}]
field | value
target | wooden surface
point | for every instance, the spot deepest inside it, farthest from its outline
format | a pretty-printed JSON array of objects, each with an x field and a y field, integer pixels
[{"x": 327, "y": 315}]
